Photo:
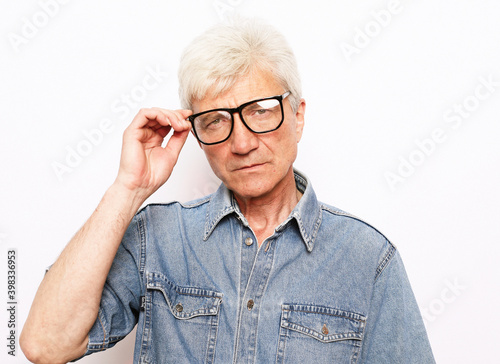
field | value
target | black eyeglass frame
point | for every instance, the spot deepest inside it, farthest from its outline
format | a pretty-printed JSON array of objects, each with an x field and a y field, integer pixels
[{"x": 238, "y": 109}]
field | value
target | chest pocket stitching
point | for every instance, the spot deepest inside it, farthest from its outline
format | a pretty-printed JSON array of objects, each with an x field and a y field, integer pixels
[
  {"x": 194, "y": 301},
  {"x": 309, "y": 320}
]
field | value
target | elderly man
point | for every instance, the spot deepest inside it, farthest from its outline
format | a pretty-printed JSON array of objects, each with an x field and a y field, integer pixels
[{"x": 260, "y": 271}]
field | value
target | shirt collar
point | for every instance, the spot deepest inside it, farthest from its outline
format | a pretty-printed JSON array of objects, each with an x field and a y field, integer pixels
[{"x": 307, "y": 212}]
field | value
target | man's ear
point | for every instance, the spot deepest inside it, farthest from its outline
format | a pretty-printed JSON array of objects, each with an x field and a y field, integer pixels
[{"x": 299, "y": 117}]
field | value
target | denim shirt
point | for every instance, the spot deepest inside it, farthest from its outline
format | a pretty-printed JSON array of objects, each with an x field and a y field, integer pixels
[{"x": 325, "y": 287}]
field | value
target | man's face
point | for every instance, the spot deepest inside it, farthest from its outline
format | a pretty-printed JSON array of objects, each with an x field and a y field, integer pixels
[{"x": 254, "y": 165}]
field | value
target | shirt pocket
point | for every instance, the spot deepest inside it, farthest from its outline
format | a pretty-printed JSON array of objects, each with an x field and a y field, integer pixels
[
  {"x": 315, "y": 334},
  {"x": 180, "y": 323}
]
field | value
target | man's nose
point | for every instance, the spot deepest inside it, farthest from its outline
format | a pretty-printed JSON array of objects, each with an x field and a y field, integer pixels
[{"x": 242, "y": 140}]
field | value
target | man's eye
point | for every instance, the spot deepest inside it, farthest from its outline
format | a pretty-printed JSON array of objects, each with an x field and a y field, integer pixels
[{"x": 213, "y": 123}]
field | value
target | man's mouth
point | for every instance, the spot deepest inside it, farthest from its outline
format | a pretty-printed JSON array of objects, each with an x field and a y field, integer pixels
[{"x": 249, "y": 167}]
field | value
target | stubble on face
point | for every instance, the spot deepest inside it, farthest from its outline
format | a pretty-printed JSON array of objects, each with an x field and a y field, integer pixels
[{"x": 252, "y": 165}]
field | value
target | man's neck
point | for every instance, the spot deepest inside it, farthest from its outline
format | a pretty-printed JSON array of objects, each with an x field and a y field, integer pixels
[{"x": 265, "y": 213}]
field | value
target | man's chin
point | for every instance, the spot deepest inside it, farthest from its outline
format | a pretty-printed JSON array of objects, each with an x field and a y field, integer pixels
[{"x": 250, "y": 190}]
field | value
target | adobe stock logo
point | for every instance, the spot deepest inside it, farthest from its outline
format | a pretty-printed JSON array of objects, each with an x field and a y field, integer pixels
[
  {"x": 362, "y": 38},
  {"x": 225, "y": 8},
  {"x": 31, "y": 26},
  {"x": 448, "y": 295},
  {"x": 453, "y": 118},
  {"x": 123, "y": 106}
]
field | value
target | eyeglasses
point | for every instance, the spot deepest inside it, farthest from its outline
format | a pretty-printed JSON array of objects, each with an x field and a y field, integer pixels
[{"x": 259, "y": 116}]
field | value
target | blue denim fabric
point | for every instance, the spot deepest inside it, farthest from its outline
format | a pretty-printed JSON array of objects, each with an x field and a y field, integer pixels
[{"x": 325, "y": 287}]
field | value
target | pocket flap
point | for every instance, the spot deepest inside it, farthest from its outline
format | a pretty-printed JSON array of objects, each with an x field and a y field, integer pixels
[
  {"x": 323, "y": 323},
  {"x": 185, "y": 302}
]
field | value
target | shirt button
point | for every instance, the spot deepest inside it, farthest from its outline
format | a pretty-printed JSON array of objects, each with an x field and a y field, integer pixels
[
  {"x": 178, "y": 307},
  {"x": 250, "y": 304},
  {"x": 248, "y": 241},
  {"x": 324, "y": 330}
]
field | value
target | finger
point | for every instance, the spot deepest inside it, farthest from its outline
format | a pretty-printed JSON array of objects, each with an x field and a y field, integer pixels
[
  {"x": 175, "y": 144},
  {"x": 183, "y": 113},
  {"x": 177, "y": 118},
  {"x": 149, "y": 117},
  {"x": 153, "y": 125},
  {"x": 163, "y": 131}
]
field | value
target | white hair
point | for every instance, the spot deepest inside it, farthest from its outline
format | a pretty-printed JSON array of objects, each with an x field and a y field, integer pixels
[{"x": 215, "y": 60}]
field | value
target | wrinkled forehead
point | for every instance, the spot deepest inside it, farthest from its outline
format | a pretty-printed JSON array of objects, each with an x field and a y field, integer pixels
[{"x": 230, "y": 93}]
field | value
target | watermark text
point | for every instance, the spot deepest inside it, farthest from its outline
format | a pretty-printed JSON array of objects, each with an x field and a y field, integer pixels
[
  {"x": 31, "y": 26},
  {"x": 453, "y": 119},
  {"x": 226, "y": 8},
  {"x": 363, "y": 36},
  {"x": 11, "y": 302},
  {"x": 448, "y": 295},
  {"x": 122, "y": 106}
]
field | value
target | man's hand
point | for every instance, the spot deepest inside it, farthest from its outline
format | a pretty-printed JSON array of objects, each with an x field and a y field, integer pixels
[
  {"x": 145, "y": 165},
  {"x": 67, "y": 302}
]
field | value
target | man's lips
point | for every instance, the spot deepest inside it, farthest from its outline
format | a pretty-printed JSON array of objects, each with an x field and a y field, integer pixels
[{"x": 248, "y": 167}]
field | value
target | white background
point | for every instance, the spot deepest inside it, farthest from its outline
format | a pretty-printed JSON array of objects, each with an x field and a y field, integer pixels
[{"x": 65, "y": 69}]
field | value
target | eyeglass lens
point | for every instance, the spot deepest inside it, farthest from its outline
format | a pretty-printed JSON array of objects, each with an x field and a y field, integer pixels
[{"x": 260, "y": 116}]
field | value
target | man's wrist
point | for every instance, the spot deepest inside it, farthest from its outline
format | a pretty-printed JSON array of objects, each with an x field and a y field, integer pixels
[{"x": 126, "y": 201}]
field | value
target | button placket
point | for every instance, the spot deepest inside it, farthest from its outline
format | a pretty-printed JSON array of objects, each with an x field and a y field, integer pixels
[{"x": 253, "y": 292}]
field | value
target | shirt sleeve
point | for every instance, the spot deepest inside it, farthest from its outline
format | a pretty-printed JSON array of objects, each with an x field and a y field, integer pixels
[
  {"x": 120, "y": 302},
  {"x": 395, "y": 331}
]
